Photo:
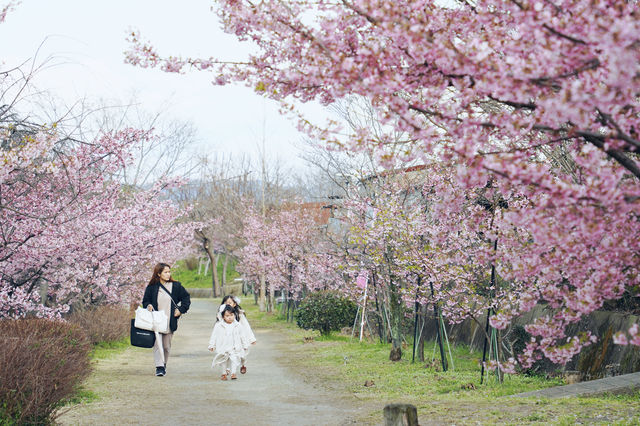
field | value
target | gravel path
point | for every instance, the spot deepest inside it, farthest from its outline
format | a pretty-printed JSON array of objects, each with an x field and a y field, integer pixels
[{"x": 192, "y": 393}]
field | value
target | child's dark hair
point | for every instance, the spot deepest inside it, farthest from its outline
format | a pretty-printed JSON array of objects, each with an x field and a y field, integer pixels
[
  {"x": 229, "y": 308},
  {"x": 238, "y": 307}
]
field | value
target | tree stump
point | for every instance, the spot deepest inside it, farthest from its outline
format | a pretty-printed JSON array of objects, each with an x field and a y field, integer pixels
[{"x": 400, "y": 415}]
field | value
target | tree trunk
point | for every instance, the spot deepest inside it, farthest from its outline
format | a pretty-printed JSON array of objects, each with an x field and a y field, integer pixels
[
  {"x": 272, "y": 300},
  {"x": 396, "y": 315},
  {"x": 395, "y": 354},
  {"x": 212, "y": 256},
  {"x": 214, "y": 274},
  {"x": 225, "y": 263},
  {"x": 262, "y": 302}
]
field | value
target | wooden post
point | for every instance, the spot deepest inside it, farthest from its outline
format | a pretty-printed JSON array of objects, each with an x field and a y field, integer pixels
[
  {"x": 400, "y": 415},
  {"x": 421, "y": 336},
  {"x": 290, "y": 293},
  {"x": 355, "y": 322},
  {"x": 364, "y": 308},
  {"x": 380, "y": 323},
  {"x": 484, "y": 347},
  {"x": 415, "y": 322},
  {"x": 486, "y": 329},
  {"x": 436, "y": 314},
  {"x": 206, "y": 265}
]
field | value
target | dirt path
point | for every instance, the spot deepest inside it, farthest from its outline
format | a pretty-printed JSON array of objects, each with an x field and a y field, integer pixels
[{"x": 191, "y": 393}]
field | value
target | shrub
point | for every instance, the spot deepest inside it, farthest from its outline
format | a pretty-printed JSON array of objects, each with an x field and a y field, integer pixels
[
  {"x": 103, "y": 323},
  {"x": 326, "y": 312},
  {"x": 41, "y": 363}
]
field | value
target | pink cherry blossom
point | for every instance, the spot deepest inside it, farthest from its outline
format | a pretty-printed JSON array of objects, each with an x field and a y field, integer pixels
[
  {"x": 72, "y": 233},
  {"x": 531, "y": 102}
]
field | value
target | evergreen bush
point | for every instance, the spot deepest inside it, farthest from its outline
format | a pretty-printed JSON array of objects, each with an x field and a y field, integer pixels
[{"x": 325, "y": 311}]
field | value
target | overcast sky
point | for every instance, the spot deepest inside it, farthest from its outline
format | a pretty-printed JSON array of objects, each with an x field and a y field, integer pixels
[{"x": 86, "y": 40}]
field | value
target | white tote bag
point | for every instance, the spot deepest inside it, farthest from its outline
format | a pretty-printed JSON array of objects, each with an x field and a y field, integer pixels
[
  {"x": 160, "y": 322},
  {"x": 151, "y": 320},
  {"x": 144, "y": 319}
]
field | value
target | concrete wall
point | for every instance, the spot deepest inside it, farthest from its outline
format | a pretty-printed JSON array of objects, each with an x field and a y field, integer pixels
[
  {"x": 597, "y": 360},
  {"x": 234, "y": 289}
]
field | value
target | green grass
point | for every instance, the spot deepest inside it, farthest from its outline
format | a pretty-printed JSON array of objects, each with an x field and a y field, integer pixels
[
  {"x": 455, "y": 396},
  {"x": 81, "y": 396},
  {"x": 190, "y": 278},
  {"x": 631, "y": 397},
  {"x": 104, "y": 350},
  {"x": 358, "y": 362}
]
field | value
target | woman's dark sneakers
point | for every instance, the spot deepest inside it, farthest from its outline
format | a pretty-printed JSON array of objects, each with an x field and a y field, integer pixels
[{"x": 160, "y": 371}]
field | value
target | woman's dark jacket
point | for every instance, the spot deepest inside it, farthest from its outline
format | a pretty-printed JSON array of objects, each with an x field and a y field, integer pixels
[{"x": 178, "y": 293}]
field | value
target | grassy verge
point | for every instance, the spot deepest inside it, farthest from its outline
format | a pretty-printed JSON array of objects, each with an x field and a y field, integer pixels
[
  {"x": 190, "y": 278},
  {"x": 101, "y": 350},
  {"x": 81, "y": 396},
  {"x": 365, "y": 372},
  {"x": 109, "y": 349}
]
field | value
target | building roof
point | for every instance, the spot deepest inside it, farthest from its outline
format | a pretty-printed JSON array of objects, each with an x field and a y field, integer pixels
[
  {"x": 321, "y": 212},
  {"x": 393, "y": 172}
]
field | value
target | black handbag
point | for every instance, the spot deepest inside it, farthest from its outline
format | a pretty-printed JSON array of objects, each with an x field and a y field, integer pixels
[{"x": 141, "y": 338}]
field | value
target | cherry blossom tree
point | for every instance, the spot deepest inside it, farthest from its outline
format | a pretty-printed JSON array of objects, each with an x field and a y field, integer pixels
[
  {"x": 69, "y": 232},
  {"x": 398, "y": 235},
  {"x": 288, "y": 248},
  {"x": 538, "y": 98}
]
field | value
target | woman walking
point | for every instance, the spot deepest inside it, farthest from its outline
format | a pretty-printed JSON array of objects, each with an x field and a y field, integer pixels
[{"x": 165, "y": 294}]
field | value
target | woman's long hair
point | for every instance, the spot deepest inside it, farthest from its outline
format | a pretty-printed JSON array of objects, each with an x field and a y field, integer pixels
[{"x": 157, "y": 270}]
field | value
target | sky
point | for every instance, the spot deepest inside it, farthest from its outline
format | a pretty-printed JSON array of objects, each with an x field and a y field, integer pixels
[{"x": 85, "y": 41}]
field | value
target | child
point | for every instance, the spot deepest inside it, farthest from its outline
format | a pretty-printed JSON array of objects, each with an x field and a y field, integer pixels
[
  {"x": 228, "y": 342},
  {"x": 244, "y": 325}
]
